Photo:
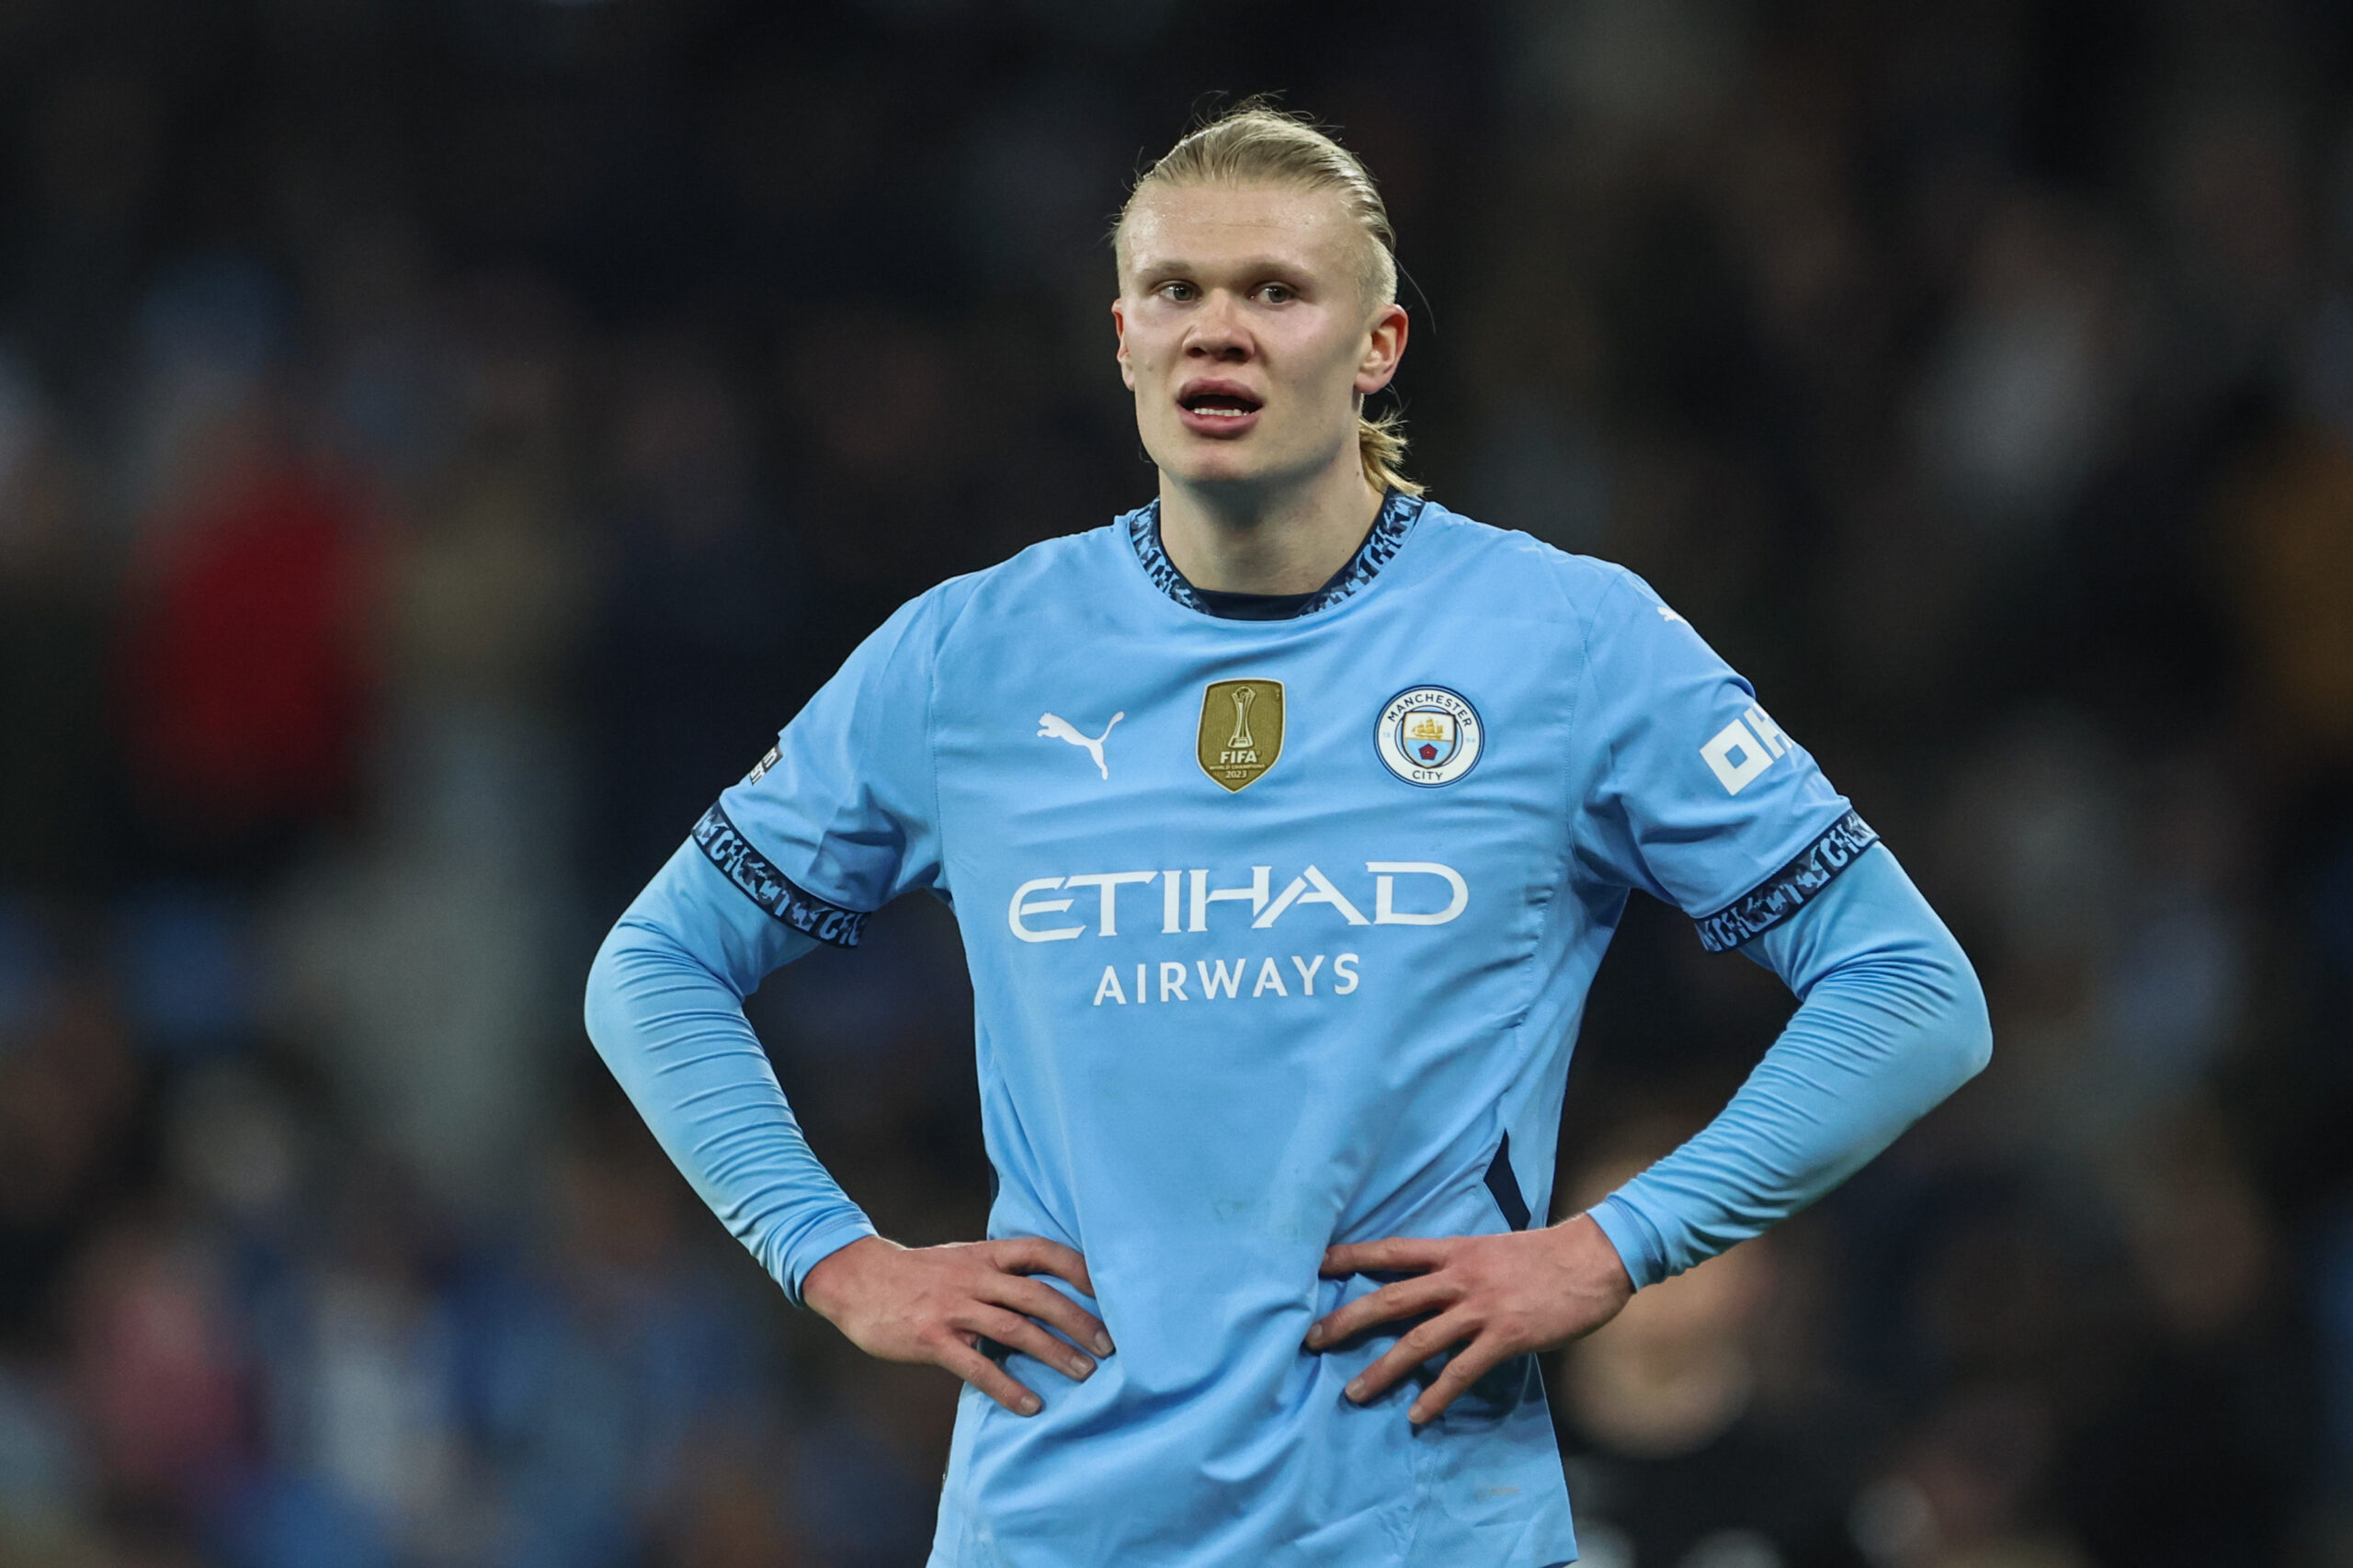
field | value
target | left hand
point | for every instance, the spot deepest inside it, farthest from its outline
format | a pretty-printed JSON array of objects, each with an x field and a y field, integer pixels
[{"x": 1495, "y": 1296}]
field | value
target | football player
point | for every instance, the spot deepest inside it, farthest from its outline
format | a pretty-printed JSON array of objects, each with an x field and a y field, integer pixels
[{"x": 1286, "y": 819}]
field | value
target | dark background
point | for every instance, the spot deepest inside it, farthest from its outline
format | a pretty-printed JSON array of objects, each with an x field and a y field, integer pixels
[{"x": 441, "y": 441}]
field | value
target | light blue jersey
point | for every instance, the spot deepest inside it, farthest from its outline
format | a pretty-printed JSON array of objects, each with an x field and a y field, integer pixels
[{"x": 1279, "y": 933}]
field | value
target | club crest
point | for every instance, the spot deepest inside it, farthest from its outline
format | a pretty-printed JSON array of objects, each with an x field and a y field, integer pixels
[
  {"x": 1429, "y": 735},
  {"x": 1242, "y": 730}
]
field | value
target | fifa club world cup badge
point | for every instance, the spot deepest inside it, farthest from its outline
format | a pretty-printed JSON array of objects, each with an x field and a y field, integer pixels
[
  {"x": 1242, "y": 730},
  {"x": 1429, "y": 735}
]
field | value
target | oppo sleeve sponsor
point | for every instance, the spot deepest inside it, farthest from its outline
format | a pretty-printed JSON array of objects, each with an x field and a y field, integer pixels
[{"x": 1744, "y": 749}]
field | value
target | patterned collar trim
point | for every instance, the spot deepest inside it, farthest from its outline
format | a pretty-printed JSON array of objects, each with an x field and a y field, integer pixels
[{"x": 1398, "y": 515}]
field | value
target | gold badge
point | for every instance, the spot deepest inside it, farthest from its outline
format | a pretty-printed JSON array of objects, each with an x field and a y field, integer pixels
[{"x": 1242, "y": 730}]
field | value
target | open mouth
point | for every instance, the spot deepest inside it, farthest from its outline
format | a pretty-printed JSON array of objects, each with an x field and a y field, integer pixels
[{"x": 1221, "y": 405}]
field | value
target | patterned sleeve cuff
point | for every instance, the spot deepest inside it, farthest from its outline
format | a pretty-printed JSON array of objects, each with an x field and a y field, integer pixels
[
  {"x": 1788, "y": 890},
  {"x": 756, "y": 877}
]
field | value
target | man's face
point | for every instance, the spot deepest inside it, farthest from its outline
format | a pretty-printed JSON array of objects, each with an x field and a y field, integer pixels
[{"x": 1246, "y": 332}]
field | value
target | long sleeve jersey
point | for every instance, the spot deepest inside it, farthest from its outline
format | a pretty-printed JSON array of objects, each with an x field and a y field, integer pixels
[{"x": 1280, "y": 932}]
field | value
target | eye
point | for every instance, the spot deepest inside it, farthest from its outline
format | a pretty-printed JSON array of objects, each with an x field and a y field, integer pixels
[
  {"x": 1276, "y": 293},
  {"x": 1179, "y": 291}
]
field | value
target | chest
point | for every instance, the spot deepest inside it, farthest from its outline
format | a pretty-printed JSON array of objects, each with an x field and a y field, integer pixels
[{"x": 1259, "y": 776}]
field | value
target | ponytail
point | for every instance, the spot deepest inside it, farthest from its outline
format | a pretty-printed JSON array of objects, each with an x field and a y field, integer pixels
[{"x": 1380, "y": 442}]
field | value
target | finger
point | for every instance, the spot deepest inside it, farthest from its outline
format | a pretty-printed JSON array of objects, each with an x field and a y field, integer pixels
[
  {"x": 1018, "y": 1333},
  {"x": 1385, "y": 1257},
  {"x": 1048, "y": 1305},
  {"x": 1474, "y": 1361},
  {"x": 1416, "y": 1348},
  {"x": 1406, "y": 1298},
  {"x": 988, "y": 1377},
  {"x": 1036, "y": 1254}
]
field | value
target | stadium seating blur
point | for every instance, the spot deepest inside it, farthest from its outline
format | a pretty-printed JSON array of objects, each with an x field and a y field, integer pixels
[{"x": 439, "y": 444}]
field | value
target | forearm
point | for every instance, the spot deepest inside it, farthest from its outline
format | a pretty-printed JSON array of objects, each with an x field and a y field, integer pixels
[
  {"x": 1893, "y": 1020},
  {"x": 665, "y": 1008}
]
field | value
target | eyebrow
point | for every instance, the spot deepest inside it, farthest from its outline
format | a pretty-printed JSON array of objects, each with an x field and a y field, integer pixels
[{"x": 1254, "y": 266}]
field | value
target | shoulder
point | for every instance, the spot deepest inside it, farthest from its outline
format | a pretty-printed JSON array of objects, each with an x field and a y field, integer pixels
[
  {"x": 1056, "y": 572},
  {"x": 1083, "y": 559},
  {"x": 1508, "y": 562}
]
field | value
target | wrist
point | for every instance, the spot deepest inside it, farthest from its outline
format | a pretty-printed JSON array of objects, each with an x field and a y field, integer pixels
[
  {"x": 1588, "y": 1252},
  {"x": 832, "y": 1281}
]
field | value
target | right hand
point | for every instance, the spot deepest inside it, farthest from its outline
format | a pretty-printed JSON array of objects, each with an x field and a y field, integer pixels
[{"x": 934, "y": 1304}]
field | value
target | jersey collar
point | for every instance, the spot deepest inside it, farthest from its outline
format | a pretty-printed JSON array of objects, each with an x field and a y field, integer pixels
[{"x": 1398, "y": 514}]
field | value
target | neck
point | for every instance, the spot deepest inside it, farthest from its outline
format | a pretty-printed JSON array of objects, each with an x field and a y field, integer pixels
[{"x": 1264, "y": 538}]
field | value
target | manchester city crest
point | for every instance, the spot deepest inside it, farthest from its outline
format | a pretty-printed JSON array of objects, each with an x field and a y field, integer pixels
[{"x": 1429, "y": 735}]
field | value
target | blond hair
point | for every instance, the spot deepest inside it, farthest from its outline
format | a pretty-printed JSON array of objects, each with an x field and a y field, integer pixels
[{"x": 1255, "y": 144}]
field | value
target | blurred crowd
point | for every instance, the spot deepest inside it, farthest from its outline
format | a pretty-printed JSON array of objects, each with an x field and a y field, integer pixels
[{"x": 440, "y": 443}]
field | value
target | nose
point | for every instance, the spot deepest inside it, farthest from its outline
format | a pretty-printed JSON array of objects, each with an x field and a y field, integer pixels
[{"x": 1217, "y": 331}]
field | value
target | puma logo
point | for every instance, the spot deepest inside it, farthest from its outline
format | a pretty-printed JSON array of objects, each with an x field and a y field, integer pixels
[{"x": 1062, "y": 729}]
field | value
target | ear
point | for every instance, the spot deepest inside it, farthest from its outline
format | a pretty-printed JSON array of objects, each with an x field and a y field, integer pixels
[
  {"x": 1119, "y": 327},
  {"x": 1384, "y": 347}
]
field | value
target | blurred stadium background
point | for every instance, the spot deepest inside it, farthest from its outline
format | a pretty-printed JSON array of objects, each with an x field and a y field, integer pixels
[{"x": 440, "y": 442}]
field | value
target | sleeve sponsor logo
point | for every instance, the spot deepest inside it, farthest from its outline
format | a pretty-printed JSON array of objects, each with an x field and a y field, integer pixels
[{"x": 1744, "y": 749}]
